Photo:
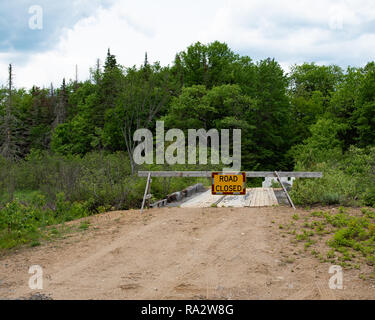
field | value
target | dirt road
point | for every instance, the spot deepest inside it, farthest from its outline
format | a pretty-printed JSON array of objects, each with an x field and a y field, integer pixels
[{"x": 177, "y": 253}]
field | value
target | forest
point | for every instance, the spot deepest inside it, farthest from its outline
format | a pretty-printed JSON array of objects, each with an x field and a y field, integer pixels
[{"x": 66, "y": 152}]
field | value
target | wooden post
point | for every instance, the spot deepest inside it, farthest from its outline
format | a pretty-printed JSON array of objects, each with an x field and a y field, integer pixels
[
  {"x": 146, "y": 191},
  {"x": 286, "y": 192},
  {"x": 149, "y": 194}
]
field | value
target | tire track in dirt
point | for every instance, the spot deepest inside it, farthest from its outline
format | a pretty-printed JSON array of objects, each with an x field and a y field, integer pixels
[
  {"x": 192, "y": 254},
  {"x": 174, "y": 253},
  {"x": 192, "y": 251}
]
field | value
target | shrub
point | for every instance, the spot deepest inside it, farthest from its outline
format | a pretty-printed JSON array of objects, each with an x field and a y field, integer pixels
[
  {"x": 46, "y": 189},
  {"x": 348, "y": 180}
]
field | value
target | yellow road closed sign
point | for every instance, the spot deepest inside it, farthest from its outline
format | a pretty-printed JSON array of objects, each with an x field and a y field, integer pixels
[{"x": 228, "y": 183}]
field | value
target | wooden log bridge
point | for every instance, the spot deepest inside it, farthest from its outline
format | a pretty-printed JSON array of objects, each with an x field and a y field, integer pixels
[{"x": 256, "y": 194}]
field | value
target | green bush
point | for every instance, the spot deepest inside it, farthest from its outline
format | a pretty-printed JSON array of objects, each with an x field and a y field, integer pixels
[
  {"x": 357, "y": 233},
  {"x": 45, "y": 189},
  {"x": 20, "y": 223},
  {"x": 348, "y": 180}
]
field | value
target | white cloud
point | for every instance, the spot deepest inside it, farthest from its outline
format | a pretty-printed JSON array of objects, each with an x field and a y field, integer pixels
[
  {"x": 297, "y": 30},
  {"x": 292, "y": 31}
]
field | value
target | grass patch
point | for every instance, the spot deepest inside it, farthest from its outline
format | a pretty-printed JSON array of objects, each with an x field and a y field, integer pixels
[
  {"x": 295, "y": 217},
  {"x": 348, "y": 238},
  {"x": 84, "y": 225},
  {"x": 30, "y": 223}
]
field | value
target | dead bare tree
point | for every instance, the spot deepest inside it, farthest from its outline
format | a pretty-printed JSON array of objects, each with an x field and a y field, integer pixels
[
  {"x": 60, "y": 107},
  {"x": 144, "y": 94},
  {"x": 9, "y": 148}
]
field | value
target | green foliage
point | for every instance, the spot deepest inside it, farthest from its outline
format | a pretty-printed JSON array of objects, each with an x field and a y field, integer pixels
[
  {"x": 356, "y": 233},
  {"x": 72, "y": 137},
  {"x": 309, "y": 78},
  {"x": 271, "y": 118},
  {"x": 315, "y": 112},
  {"x": 22, "y": 223},
  {"x": 364, "y": 114},
  {"x": 209, "y": 65},
  {"x": 53, "y": 189},
  {"x": 350, "y": 236},
  {"x": 348, "y": 180},
  {"x": 84, "y": 225},
  {"x": 323, "y": 144},
  {"x": 221, "y": 107},
  {"x": 296, "y": 217}
]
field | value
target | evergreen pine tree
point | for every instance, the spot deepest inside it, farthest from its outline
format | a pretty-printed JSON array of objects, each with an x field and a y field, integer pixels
[
  {"x": 111, "y": 62},
  {"x": 109, "y": 88}
]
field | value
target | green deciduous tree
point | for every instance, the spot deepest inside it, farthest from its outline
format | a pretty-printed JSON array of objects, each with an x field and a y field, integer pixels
[
  {"x": 144, "y": 93},
  {"x": 209, "y": 65},
  {"x": 364, "y": 115},
  {"x": 271, "y": 117}
]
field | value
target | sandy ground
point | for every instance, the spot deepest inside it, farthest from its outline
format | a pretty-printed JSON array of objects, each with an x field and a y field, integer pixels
[{"x": 177, "y": 253}]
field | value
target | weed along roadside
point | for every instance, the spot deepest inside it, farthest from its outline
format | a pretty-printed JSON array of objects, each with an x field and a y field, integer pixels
[{"x": 337, "y": 236}]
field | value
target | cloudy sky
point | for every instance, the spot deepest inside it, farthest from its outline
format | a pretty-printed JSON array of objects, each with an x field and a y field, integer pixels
[{"x": 80, "y": 31}]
